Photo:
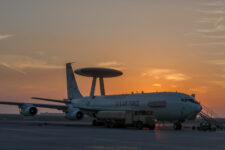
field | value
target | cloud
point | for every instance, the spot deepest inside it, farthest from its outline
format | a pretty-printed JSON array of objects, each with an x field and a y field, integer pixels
[
  {"x": 214, "y": 36},
  {"x": 214, "y": 3},
  {"x": 212, "y": 24},
  {"x": 212, "y": 20},
  {"x": 41, "y": 53},
  {"x": 159, "y": 71},
  {"x": 167, "y": 74},
  {"x": 218, "y": 62},
  {"x": 222, "y": 76},
  {"x": 177, "y": 77},
  {"x": 214, "y": 12},
  {"x": 156, "y": 85},
  {"x": 174, "y": 86},
  {"x": 5, "y": 36},
  {"x": 110, "y": 64},
  {"x": 218, "y": 28},
  {"x": 19, "y": 63},
  {"x": 208, "y": 44},
  {"x": 156, "y": 73},
  {"x": 219, "y": 83},
  {"x": 201, "y": 89}
]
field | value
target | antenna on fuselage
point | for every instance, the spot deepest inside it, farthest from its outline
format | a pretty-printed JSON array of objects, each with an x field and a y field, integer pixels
[{"x": 100, "y": 73}]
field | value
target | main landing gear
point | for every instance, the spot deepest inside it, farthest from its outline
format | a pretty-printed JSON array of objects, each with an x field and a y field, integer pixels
[
  {"x": 177, "y": 126},
  {"x": 97, "y": 123}
]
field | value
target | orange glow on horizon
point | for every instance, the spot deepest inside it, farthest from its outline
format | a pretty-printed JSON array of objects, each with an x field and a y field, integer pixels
[{"x": 160, "y": 46}]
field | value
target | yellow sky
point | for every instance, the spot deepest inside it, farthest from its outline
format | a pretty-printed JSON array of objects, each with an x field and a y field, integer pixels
[{"x": 165, "y": 45}]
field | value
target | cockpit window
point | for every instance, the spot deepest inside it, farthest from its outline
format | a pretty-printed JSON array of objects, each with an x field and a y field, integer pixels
[{"x": 189, "y": 100}]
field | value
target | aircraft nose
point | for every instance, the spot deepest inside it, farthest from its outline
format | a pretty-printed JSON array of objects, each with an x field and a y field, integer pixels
[
  {"x": 199, "y": 108},
  {"x": 196, "y": 109}
]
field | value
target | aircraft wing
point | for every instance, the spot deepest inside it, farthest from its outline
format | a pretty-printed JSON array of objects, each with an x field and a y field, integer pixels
[
  {"x": 12, "y": 103},
  {"x": 52, "y": 106},
  {"x": 59, "y": 107},
  {"x": 52, "y": 100},
  {"x": 64, "y": 107}
]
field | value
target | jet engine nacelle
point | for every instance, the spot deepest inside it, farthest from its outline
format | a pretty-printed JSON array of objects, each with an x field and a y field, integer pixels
[
  {"x": 74, "y": 114},
  {"x": 28, "y": 110}
]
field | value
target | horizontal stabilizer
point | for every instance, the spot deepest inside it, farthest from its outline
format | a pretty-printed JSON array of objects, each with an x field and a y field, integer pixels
[{"x": 53, "y": 100}]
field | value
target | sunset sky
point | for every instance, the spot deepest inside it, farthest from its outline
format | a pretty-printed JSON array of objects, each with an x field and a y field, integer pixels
[{"x": 160, "y": 45}]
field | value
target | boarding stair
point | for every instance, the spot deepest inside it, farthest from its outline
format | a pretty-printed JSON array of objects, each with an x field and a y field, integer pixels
[{"x": 210, "y": 117}]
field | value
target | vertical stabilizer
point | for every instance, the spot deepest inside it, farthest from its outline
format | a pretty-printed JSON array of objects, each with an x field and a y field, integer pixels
[{"x": 72, "y": 88}]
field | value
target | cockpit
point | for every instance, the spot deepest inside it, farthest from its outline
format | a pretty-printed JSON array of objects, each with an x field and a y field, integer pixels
[{"x": 189, "y": 100}]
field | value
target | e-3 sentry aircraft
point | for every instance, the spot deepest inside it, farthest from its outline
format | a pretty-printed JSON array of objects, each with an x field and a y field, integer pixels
[{"x": 166, "y": 106}]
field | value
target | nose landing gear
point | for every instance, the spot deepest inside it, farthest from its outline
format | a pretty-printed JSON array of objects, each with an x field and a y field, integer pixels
[{"x": 177, "y": 126}]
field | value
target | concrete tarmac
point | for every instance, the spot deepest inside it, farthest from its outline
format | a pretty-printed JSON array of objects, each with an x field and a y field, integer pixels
[{"x": 44, "y": 135}]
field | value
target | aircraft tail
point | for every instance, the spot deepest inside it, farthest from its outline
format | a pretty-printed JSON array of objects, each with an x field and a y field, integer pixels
[{"x": 72, "y": 88}]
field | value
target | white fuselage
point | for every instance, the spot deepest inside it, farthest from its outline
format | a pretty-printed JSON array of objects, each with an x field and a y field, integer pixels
[{"x": 164, "y": 105}]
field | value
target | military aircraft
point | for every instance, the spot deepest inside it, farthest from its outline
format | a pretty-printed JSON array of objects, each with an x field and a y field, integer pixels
[{"x": 166, "y": 106}]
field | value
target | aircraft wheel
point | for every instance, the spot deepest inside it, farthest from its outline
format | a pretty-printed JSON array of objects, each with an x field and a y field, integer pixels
[
  {"x": 177, "y": 126},
  {"x": 152, "y": 126},
  {"x": 97, "y": 123},
  {"x": 122, "y": 125},
  {"x": 109, "y": 124},
  {"x": 106, "y": 123},
  {"x": 139, "y": 125},
  {"x": 112, "y": 124},
  {"x": 94, "y": 123}
]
